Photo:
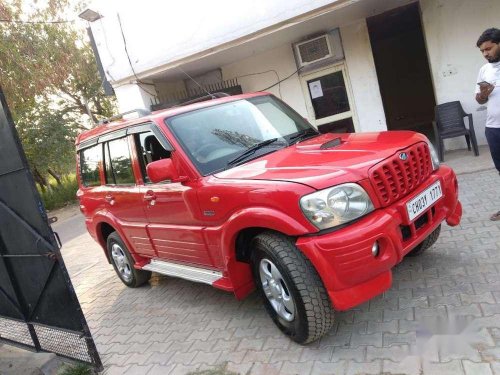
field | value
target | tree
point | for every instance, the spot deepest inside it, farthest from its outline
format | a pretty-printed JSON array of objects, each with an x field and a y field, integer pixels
[{"x": 50, "y": 79}]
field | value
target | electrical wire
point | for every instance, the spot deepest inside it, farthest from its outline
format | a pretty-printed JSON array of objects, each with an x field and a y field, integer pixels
[
  {"x": 284, "y": 79},
  {"x": 130, "y": 61},
  {"x": 192, "y": 79},
  {"x": 35, "y": 22},
  {"x": 267, "y": 71}
]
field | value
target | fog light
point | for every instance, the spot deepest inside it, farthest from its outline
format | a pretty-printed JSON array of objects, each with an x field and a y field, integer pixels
[{"x": 375, "y": 249}]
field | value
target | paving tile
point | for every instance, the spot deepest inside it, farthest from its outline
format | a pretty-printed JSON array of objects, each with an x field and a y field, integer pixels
[
  {"x": 395, "y": 353},
  {"x": 411, "y": 365},
  {"x": 407, "y": 314},
  {"x": 159, "y": 358},
  {"x": 356, "y": 354},
  {"x": 322, "y": 368},
  {"x": 159, "y": 369},
  {"x": 367, "y": 368},
  {"x": 257, "y": 356},
  {"x": 251, "y": 344},
  {"x": 233, "y": 356},
  {"x": 490, "y": 309},
  {"x": 266, "y": 369},
  {"x": 473, "y": 368},
  {"x": 323, "y": 354},
  {"x": 287, "y": 355},
  {"x": 240, "y": 369},
  {"x": 448, "y": 368},
  {"x": 115, "y": 370},
  {"x": 138, "y": 370},
  {"x": 408, "y": 338},
  {"x": 181, "y": 369},
  {"x": 374, "y": 327},
  {"x": 292, "y": 368},
  {"x": 209, "y": 358}
]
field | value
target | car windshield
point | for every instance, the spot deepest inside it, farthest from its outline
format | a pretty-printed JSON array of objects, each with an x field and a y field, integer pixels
[{"x": 228, "y": 134}]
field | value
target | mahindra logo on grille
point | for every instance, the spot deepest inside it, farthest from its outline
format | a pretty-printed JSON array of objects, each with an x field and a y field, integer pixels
[{"x": 403, "y": 156}]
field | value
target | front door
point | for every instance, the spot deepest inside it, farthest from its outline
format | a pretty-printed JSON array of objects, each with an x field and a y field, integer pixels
[
  {"x": 329, "y": 100},
  {"x": 172, "y": 227}
]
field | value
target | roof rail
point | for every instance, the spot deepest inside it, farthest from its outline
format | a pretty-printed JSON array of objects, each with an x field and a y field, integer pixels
[
  {"x": 140, "y": 112},
  {"x": 215, "y": 95}
]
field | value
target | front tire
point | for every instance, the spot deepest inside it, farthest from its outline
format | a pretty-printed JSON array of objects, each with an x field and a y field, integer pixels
[
  {"x": 292, "y": 291},
  {"x": 123, "y": 263}
]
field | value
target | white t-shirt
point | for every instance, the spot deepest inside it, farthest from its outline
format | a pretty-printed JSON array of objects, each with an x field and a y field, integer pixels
[{"x": 491, "y": 73}]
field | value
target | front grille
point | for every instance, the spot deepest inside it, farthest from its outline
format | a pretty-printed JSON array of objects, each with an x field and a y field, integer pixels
[{"x": 394, "y": 178}]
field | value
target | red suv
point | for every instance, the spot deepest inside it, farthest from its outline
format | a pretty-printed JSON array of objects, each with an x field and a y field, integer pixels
[{"x": 241, "y": 191}]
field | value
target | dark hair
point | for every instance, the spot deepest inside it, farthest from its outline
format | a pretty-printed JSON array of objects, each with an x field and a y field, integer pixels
[{"x": 489, "y": 35}]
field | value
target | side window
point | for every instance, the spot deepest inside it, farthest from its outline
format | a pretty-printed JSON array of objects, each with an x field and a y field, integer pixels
[
  {"x": 90, "y": 159},
  {"x": 149, "y": 149},
  {"x": 118, "y": 162}
]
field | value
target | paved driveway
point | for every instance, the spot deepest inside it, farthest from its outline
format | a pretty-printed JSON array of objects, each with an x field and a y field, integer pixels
[{"x": 441, "y": 316}]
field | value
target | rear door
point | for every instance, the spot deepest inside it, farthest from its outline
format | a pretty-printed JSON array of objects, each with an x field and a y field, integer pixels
[
  {"x": 174, "y": 230},
  {"x": 122, "y": 194}
]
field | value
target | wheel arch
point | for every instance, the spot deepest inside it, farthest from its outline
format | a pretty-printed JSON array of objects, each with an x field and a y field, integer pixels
[{"x": 237, "y": 235}]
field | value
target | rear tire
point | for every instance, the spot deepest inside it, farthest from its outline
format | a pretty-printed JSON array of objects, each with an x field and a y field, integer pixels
[
  {"x": 292, "y": 291},
  {"x": 123, "y": 263},
  {"x": 425, "y": 244}
]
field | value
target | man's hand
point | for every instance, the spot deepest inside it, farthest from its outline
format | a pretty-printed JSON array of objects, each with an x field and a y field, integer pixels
[{"x": 485, "y": 91}]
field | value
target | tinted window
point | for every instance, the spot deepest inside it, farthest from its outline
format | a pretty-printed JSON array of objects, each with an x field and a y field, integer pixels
[
  {"x": 120, "y": 163},
  {"x": 149, "y": 149},
  {"x": 90, "y": 159}
]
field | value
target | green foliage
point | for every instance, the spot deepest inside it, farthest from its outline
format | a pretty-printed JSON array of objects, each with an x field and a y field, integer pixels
[
  {"x": 49, "y": 140},
  {"x": 50, "y": 79},
  {"x": 60, "y": 195},
  {"x": 79, "y": 369}
]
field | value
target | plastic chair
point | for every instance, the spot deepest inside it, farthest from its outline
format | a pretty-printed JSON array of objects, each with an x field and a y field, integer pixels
[{"x": 450, "y": 123}]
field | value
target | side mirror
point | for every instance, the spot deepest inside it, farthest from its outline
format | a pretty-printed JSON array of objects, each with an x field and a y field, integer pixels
[{"x": 163, "y": 170}]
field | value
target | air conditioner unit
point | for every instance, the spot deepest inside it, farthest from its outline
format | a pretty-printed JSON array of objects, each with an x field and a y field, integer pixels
[{"x": 319, "y": 49}]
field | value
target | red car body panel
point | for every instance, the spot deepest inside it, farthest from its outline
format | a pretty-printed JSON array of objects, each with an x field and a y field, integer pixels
[{"x": 197, "y": 221}]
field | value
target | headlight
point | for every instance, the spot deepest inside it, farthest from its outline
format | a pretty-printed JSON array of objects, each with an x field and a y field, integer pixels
[
  {"x": 336, "y": 205},
  {"x": 434, "y": 156}
]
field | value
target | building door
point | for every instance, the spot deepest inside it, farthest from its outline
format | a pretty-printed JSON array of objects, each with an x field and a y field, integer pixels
[
  {"x": 329, "y": 100},
  {"x": 403, "y": 69}
]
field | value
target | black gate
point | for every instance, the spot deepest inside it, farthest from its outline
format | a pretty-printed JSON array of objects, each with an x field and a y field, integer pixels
[{"x": 39, "y": 309}]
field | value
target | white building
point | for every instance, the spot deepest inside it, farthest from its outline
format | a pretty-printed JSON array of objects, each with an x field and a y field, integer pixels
[{"x": 365, "y": 65}]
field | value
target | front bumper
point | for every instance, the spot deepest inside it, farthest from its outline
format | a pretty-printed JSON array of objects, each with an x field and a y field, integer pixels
[{"x": 344, "y": 260}]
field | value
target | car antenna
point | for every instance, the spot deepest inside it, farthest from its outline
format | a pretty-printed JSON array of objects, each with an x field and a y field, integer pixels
[{"x": 200, "y": 86}]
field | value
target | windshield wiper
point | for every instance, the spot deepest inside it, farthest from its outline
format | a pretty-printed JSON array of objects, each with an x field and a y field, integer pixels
[
  {"x": 303, "y": 134},
  {"x": 251, "y": 150}
]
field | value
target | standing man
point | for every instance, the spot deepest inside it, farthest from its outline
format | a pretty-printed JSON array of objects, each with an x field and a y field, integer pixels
[{"x": 488, "y": 91}]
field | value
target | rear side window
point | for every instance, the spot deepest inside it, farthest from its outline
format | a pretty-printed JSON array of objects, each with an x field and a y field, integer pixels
[
  {"x": 118, "y": 163},
  {"x": 90, "y": 159}
]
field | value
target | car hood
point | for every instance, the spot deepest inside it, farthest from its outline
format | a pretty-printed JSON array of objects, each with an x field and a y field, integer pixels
[{"x": 325, "y": 160}]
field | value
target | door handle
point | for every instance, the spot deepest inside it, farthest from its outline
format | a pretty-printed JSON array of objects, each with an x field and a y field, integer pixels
[
  {"x": 150, "y": 197},
  {"x": 110, "y": 199}
]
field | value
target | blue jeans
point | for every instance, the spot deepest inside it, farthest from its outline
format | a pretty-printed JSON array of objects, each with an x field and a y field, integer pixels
[{"x": 493, "y": 138}]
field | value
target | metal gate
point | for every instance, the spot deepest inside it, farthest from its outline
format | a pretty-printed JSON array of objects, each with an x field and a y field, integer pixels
[{"x": 39, "y": 309}]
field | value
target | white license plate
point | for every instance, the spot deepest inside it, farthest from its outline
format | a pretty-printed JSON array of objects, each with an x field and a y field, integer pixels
[{"x": 424, "y": 200}]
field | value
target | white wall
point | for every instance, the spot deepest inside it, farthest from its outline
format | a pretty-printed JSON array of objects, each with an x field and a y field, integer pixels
[
  {"x": 451, "y": 31},
  {"x": 363, "y": 77},
  {"x": 158, "y": 32},
  {"x": 281, "y": 61},
  {"x": 133, "y": 96}
]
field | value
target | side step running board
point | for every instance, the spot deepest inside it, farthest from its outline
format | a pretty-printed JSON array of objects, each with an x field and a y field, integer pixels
[{"x": 200, "y": 275}]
